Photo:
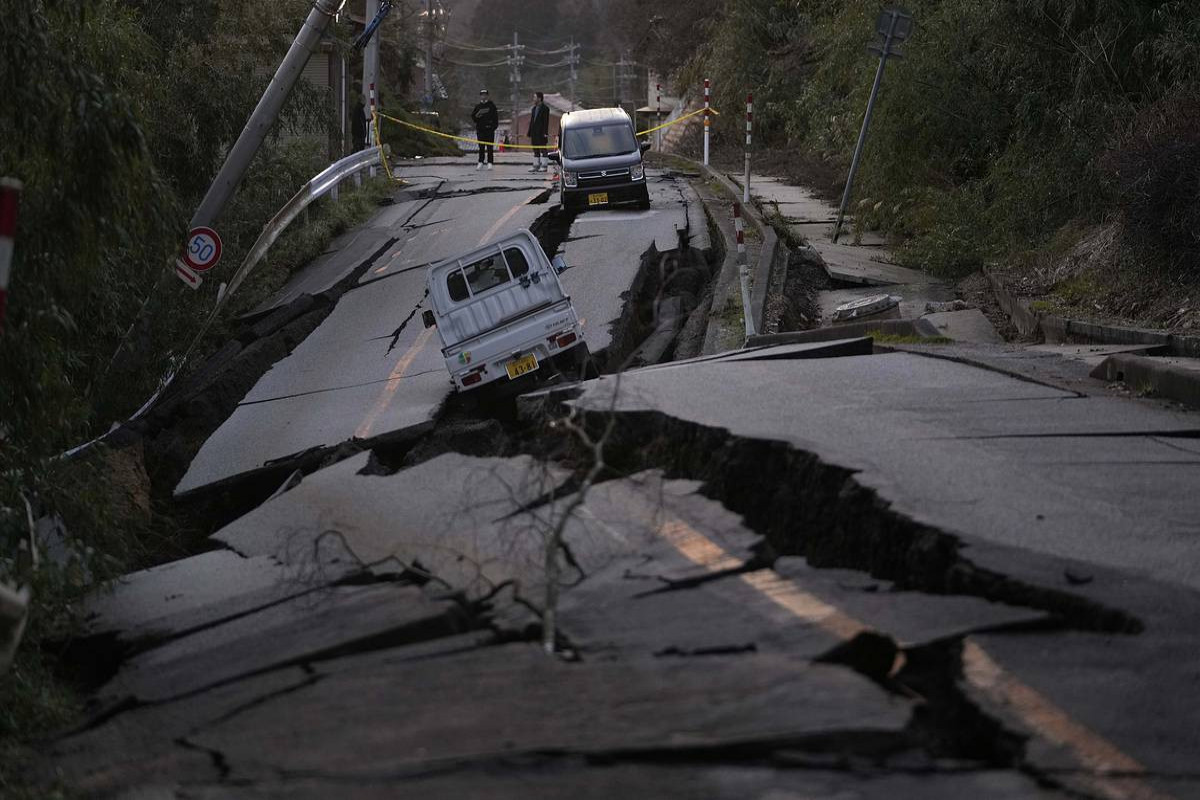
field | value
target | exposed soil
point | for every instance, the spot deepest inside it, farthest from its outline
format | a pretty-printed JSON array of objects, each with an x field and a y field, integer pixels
[
  {"x": 975, "y": 290},
  {"x": 794, "y": 306}
]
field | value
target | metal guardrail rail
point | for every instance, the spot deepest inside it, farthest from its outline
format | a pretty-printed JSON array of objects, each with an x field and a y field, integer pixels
[{"x": 326, "y": 182}]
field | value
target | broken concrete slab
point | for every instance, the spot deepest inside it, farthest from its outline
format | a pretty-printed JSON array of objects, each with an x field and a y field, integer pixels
[
  {"x": 302, "y": 629},
  {"x": 1049, "y": 688},
  {"x": 514, "y": 700},
  {"x": 882, "y": 415},
  {"x": 847, "y": 330},
  {"x": 146, "y": 747},
  {"x": 604, "y": 251},
  {"x": 1176, "y": 378},
  {"x": 1093, "y": 354},
  {"x": 638, "y": 607},
  {"x": 909, "y": 618},
  {"x": 913, "y": 298},
  {"x": 970, "y": 325},
  {"x": 195, "y": 592},
  {"x": 864, "y": 265},
  {"x": 345, "y": 254},
  {"x": 455, "y": 517}
]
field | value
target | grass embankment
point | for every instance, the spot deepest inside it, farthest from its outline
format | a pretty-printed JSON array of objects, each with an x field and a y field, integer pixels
[{"x": 116, "y": 117}]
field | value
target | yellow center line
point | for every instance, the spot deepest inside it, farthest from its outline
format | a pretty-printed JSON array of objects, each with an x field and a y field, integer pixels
[
  {"x": 980, "y": 670},
  {"x": 501, "y": 222},
  {"x": 393, "y": 383}
]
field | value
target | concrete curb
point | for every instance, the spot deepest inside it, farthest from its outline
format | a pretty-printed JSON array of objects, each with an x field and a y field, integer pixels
[
  {"x": 767, "y": 255},
  {"x": 1157, "y": 375},
  {"x": 1063, "y": 329},
  {"x": 885, "y": 327}
]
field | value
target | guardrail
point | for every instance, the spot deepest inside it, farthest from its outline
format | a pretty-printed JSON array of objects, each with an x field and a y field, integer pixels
[{"x": 326, "y": 182}]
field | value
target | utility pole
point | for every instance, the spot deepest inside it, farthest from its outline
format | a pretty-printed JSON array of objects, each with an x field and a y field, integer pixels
[
  {"x": 894, "y": 25},
  {"x": 265, "y": 113},
  {"x": 573, "y": 60},
  {"x": 515, "y": 60},
  {"x": 371, "y": 76},
  {"x": 658, "y": 108},
  {"x": 429, "y": 35}
]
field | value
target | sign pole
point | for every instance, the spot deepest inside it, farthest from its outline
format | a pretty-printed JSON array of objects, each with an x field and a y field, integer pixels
[
  {"x": 743, "y": 269},
  {"x": 749, "y": 123},
  {"x": 891, "y": 35},
  {"x": 707, "y": 120}
]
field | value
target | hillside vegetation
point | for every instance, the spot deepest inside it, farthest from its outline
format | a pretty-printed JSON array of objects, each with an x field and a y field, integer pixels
[
  {"x": 116, "y": 115},
  {"x": 1058, "y": 139}
]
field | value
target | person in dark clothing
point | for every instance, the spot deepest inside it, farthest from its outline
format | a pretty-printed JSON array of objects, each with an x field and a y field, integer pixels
[
  {"x": 486, "y": 119},
  {"x": 539, "y": 130},
  {"x": 358, "y": 126}
]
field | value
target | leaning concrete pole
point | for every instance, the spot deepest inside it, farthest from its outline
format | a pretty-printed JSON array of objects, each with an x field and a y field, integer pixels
[
  {"x": 265, "y": 114},
  {"x": 371, "y": 75}
]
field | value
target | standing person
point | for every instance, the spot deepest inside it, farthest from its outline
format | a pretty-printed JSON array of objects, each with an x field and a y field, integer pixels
[
  {"x": 486, "y": 119},
  {"x": 539, "y": 130}
]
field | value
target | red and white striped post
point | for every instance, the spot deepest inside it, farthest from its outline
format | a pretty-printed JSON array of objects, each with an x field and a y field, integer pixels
[
  {"x": 707, "y": 120},
  {"x": 749, "y": 126},
  {"x": 743, "y": 268},
  {"x": 10, "y": 196},
  {"x": 371, "y": 137}
]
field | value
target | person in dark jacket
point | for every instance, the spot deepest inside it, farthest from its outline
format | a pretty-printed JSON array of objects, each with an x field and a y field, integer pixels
[
  {"x": 486, "y": 119},
  {"x": 539, "y": 130}
]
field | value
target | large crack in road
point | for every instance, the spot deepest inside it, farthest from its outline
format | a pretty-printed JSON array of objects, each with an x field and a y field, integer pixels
[{"x": 839, "y": 644}]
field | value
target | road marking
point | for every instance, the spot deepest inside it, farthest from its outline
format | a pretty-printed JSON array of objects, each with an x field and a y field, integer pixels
[
  {"x": 704, "y": 552},
  {"x": 484, "y": 240},
  {"x": 501, "y": 222},
  {"x": 1038, "y": 712},
  {"x": 389, "y": 390}
]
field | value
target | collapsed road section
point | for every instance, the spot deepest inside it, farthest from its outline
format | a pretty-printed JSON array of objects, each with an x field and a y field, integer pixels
[
  {"x": 739, "y": 610},
  {"x": 368, "y": 375},
  {"x": 792, "y": 570}
]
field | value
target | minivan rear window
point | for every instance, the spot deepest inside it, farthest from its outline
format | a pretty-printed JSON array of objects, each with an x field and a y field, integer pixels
[{"x": 598, "y": 141}]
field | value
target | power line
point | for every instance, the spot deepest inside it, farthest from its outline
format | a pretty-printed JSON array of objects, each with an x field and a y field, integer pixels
[
  {"x": 488, "y": 65},
  {"x": 474, "y": 47}
]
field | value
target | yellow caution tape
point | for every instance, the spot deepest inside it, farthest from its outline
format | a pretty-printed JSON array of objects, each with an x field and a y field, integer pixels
[
  {"x": 520, "y": 146},
  {"x": 387, "y": 168},
  {"x": 680, "y": 119},
  {"x": 465, "y": 139}
]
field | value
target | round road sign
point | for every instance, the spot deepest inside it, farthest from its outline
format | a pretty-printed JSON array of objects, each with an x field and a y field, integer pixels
[{"x": 203, "y": 249}]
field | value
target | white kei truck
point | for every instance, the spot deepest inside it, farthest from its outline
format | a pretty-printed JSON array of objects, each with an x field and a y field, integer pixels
[{"x": 502, "y": 315}]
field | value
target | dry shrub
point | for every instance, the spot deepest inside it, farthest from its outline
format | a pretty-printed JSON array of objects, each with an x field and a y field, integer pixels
[{"x": 1155, "y": 168}]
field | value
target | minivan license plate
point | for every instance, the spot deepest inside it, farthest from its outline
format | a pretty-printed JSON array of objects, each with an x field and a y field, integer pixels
[
  {"x": 520, "y": 366},
  {"x": 598, "y": 199}
]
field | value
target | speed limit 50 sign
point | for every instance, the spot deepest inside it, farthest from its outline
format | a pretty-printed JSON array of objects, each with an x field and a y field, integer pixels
[{"x": 203, "y": 249}]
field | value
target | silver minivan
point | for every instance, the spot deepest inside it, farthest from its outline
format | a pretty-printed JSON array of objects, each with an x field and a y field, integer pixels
[{"x": 601, "y": 160}]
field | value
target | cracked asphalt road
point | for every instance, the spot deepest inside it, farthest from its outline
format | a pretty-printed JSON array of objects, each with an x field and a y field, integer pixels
[{"x": 807, "y": 571}]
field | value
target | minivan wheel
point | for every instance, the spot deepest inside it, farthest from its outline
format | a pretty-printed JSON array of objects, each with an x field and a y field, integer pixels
[{"x": 644, "y": 199}]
